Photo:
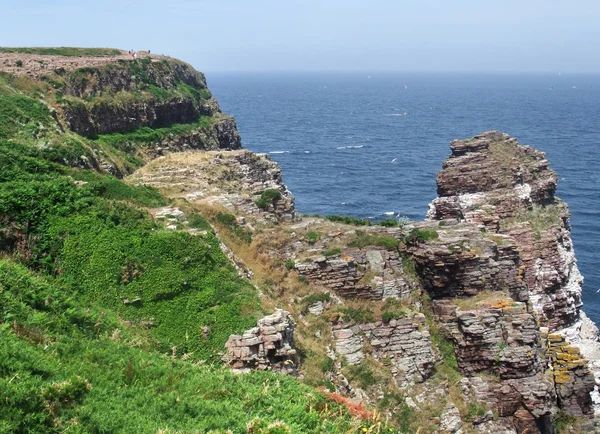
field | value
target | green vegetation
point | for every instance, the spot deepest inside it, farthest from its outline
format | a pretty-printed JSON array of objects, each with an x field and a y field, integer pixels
[
  {"x": 63, "y": 51},
  {"x": 332, "y": 252},
  {"x": 21, "y": 116},
  {"x": 541, "y": 218},
  {"x": 109, "y": 322},
  {"x": 364, "y": 239},
  {"x": 290, "y": 264},
  {"x": 408, "y": 266},
  {"x": 196, "y": 221},
  {"x": 315, "y": 298},
  {"x": 349, "y": 220},
  {"x": 421, "y": 235},
  {"x": 564, "y": 422},
  {"x": 267, "y": 198},
  {"x": 391, "y": 223},
  {"x": 68, "y": 367},
  {"x": 474, "y": 410},
  {"x": 362, "y": 375},
  {"x": 229, "y": 223},
  {"x": 125, "y": 141},
  {"x": 392, "y": 309},
  {"x": 312, "y": 237},
  {"x": 357, "y": 314}
]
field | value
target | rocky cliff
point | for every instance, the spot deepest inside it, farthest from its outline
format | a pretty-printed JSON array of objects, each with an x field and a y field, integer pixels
[
  {"x": 124, "y": 110},
  {"x": 476, "y": 310},
  {"x": 507, "y": 192},
  {"x": 470, "y": 321}
]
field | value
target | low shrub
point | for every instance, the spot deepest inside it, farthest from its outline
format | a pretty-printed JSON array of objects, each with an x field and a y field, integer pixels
[
  {"x": 418, "y": 235},
  {"x": 196, "y": 221},
  {"x": 364, "y": 239},
  {"x": 267, "y": 198},
  {"x": 332, "y": 252},
  {"x": 348, "y": 220},
  {"x": 315, "y": 298},
  {"x": 392, "y": 309},
  {"x": 312, "y": 237},
  {"x": 229, "y": 222},
  {"x": 358, "y": 315}
]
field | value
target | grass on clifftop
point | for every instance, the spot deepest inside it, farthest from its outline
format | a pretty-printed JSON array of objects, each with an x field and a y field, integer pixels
[{"x": 63, "y": 51}]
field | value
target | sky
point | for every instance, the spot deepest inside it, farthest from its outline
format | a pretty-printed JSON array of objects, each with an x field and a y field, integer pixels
[{"x": 325, "y": 35}]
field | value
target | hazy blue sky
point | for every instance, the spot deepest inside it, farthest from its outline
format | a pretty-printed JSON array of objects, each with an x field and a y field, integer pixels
[{"x": 366, "y": 35}]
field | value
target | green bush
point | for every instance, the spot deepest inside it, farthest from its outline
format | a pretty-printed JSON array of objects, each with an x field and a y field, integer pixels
[
  {"x": 267, "y": 198},
  {"x": 392, "y": 309},
  {"x": 196, "y": 221},
  {"x": 408, "y": 266},
  {"x": 362, "y": 375},
  {"x": 474, "y": 410},
  {"x": 358, "y": 315},
  {"x": 312, "y": 237},
  {"x": 332, "y": 252},
  {"x": 421, "y": 235},
  {"x": 19, "y": 63},
  {"x": 563, "y": 422},
  {"x": 364, "y": 239},
  {"x": 315, "y": 298},
  {"x": 290, "y": 264},
  {"x": 230, "y": 223},
  {"x": 349, "y": 220}
]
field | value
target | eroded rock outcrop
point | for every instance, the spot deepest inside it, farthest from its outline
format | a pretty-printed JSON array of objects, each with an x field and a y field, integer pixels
[
  {"x": 498, "y": 185},
  {"x": 234, "y": 180},
  {"x": 492, "y": 299},
  {"x": 403, "y": 344},
  {"x": 268, "y": 346}
]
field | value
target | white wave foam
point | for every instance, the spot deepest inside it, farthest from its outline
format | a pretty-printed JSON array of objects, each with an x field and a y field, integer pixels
[
  {"x": 389, "y": 213},
  {"x": 279, "y": 152},
  {"x": 350, "y": 147}
]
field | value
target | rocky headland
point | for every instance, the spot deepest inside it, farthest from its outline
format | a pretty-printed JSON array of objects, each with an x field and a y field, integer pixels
[{"x": 470, "y": 321}]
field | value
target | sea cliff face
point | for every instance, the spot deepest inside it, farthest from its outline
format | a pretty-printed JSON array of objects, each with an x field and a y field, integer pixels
[
  {"x": 470, "y": 321},
  {"x": 494, "y": 259},
  {"x": 507, "y": 191}
]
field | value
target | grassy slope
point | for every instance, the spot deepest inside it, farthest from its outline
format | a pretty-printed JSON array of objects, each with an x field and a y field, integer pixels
[
  {"x": 73, "y": 356},
  {"x": 64, "y": 367}
]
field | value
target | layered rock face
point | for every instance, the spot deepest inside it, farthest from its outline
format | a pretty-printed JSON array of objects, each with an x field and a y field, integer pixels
[
  {"x": 482, "y": 297},
  {"x": 268, "y": 346},
  {"x": 234, "y": 180},
  {"x": 404, "y": 344},
  {"x": 506, "y": 188},
  {"x": 129, "y": 94},
  {"x": 371, "y": 273}
]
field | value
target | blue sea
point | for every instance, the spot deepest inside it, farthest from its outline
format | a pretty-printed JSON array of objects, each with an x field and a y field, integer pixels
[{"x": 370, "y": 145}]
